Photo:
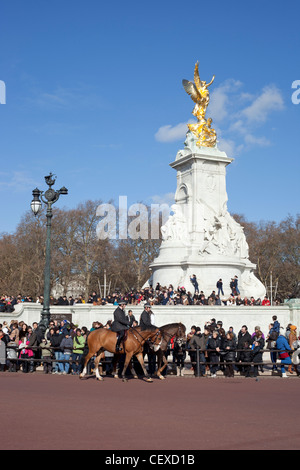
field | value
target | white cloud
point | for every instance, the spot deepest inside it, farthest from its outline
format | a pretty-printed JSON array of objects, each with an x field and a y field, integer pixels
[
  {"x": 220, "y": 100},
  {"x": 268, "y": 101},
  {"x": 259, "y": 141},
  {"x": 171, "y": 134},
  {"x": 17, "y": 181}
]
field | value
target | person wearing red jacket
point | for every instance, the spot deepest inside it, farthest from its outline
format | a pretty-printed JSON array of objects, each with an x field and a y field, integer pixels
[{"x": 266, "y": 301}]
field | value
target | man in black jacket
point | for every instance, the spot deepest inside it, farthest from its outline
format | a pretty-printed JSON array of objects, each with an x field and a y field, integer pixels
[
  {"x": 145, "y": 320},
  {"x": 145, "y": 324},
  {"x": 213, "y": 347},
  {"x": 243, "y": 337},
  {"x": 120, "y": 323}
]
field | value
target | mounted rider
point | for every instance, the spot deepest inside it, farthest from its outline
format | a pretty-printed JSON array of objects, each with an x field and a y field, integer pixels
[
  {"x": 145, "y": 320},
  {"x": 120, "y": 323}
]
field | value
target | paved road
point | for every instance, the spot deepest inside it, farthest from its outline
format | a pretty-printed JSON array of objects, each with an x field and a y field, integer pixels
[{"x": 63, "y": 412}]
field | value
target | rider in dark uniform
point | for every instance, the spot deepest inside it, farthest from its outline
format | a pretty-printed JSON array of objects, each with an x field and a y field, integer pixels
[
  {"x": 120, "y": 323},
  {"x": 145, "y": 320},
  {"x": 145, "y": 324}
]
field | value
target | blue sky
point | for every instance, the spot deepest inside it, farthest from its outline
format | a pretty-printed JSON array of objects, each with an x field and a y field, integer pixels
[{"x": 94, "y": 94}]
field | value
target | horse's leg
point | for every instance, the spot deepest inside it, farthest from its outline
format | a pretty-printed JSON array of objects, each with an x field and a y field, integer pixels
[
  {"x": 141, "y": 361},
  {"x": 133, "y": 372},
  {"x": 115, "y": 361},
  {"x": 97, "y": 360},
  {"x": 161, "y": 357},
  {"x": 102, "y": 356},
  {"x": 87, "y": 358},
  {"x": 126, "y": 363}
]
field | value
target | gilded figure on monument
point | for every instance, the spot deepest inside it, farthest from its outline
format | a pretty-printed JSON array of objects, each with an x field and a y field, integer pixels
[{"x": 199, "y": 93}]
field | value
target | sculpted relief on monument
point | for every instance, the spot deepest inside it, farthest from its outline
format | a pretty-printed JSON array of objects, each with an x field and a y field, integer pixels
[{"x": 223, "y": 235}]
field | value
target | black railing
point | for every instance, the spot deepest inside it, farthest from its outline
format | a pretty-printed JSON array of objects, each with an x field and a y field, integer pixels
[{"x": 195, "y": 363}]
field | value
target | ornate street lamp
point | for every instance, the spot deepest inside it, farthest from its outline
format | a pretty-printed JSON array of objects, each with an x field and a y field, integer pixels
[{"x": 49, "y": 197}]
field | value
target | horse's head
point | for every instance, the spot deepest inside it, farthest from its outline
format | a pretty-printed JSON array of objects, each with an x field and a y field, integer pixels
[
  {"x": 155, "y": 340},
  {"x": 180, "y": 335}
]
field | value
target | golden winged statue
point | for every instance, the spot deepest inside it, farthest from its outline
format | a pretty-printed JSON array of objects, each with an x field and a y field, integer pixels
[{"x": 200, "y": 95}]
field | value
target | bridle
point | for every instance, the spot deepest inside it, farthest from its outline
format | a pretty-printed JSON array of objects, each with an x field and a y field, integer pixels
[
  {"x": 149, "y": 340},
  {"x": 178, "y": 334}
]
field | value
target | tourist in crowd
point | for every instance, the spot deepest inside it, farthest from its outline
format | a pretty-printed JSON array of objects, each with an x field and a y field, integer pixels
[
  {"x": 77, "y": 354},
  {"x": 55, "y": 341},
  {"x": 229, "y": 346},
  {"x": 198, "y": 340},
  {"x": 271, "y": 342},
  {"x": 46, "y": 355},
  {"x": 194, "y": 281},
  {"x": 66, "y": 346},
  {"x": 292, "y": 338},
  {"x": 246, "y": 358},
  {"x": 220, "y": 287},
  {"x": 25, "y": 352},
  {"x": 257, "y": 347},
  {"x": 284, "y": 349},
  {"x": 266, "y": 301},
  {"x": 243, "y": 336},
  {"x": 213, "y": 349}
]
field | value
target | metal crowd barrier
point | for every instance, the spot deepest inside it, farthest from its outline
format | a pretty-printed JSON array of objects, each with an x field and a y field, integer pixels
[{"x": 196, "y": 363}]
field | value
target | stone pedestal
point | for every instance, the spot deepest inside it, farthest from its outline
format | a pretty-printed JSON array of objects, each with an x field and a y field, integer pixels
[{"x": 201, "y": 237}]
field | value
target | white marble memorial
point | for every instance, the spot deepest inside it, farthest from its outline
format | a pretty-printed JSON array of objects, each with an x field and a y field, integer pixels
[{"x": 201, "y": 237}]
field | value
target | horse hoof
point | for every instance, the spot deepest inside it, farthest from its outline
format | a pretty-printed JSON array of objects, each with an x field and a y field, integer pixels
[
  {"x": 161, "y": 377},
  {"x": 149, "y": 379},
  {"x": 125, "y": 380},
  {"x": 116, "y": 376},
  {"x": 135, "y": 377},
  {"x": 100, "y": 379}
]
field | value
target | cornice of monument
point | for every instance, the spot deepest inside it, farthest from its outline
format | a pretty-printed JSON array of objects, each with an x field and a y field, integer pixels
[
  {"x": 193, "y": 151},
  {"x": 205, "y": 154}
]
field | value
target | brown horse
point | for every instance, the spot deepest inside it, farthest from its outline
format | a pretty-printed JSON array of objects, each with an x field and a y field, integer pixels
[
  {"x": 168, "y": 331},
  {"x": 101, "y": 340}
]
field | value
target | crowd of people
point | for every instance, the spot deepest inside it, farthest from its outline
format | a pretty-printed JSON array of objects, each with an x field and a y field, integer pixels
[
  {"x": 158, "y": 295},
  {"x": 231, "y": 353},
  {"x": 62, "y": 348}
]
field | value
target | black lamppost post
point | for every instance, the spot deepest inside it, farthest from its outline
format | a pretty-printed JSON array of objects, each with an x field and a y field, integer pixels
[{"x": 49, "y": 197}]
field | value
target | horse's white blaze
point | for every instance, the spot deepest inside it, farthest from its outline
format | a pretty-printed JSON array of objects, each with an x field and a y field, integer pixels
[{"x": 157, "y": 347}]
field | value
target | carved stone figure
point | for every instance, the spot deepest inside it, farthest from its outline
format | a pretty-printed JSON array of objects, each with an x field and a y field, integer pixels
[{"x": 176, "y": 226}]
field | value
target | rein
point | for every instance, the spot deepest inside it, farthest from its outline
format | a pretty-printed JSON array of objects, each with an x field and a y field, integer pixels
[
  {"x": 178, "y": 334},
  {"x": 150, "y": 340}
]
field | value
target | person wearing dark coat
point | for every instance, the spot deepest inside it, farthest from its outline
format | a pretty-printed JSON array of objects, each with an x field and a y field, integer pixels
[
  {"x": 213, "y": 348},
  {"x": 243, "y": 337},
  {"x": 229, "y": 357},
  {"x": 130, "y": 317},
  {"x": 145, "y": 324},
  {"x": 120, "y": 323},
  {"x": 145, "y": 320},
  {"x": 246, "y": 356},
  {"x": 55, "y": 341},
  {"x": 198, "y": 340},
  {"x": 257, "y": 355}
]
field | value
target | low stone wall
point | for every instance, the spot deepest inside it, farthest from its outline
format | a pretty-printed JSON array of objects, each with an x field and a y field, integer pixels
[{"x": 86, "y": 314}]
